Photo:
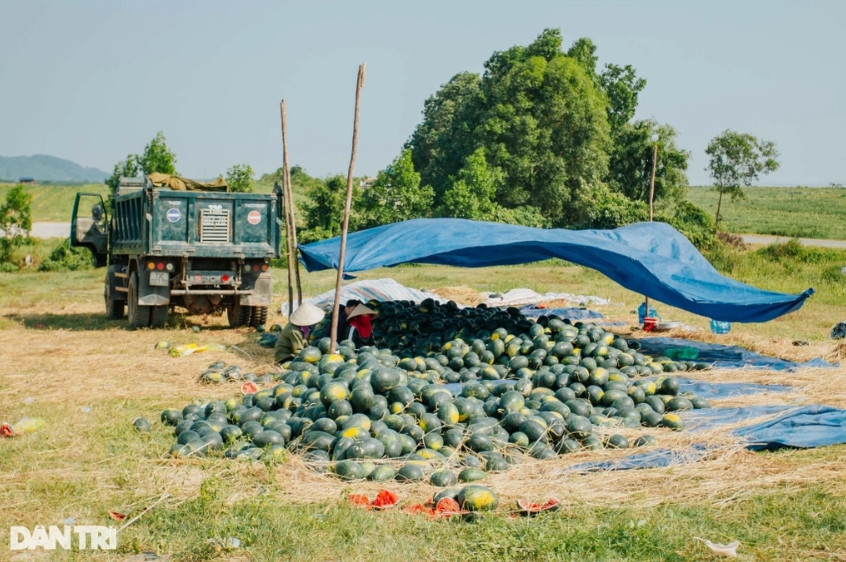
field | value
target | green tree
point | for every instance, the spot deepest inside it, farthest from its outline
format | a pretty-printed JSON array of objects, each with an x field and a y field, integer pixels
[
  {"x": 621, "y": 86},
  {"x": 541, "y": 119},
  {"x": 15, "y": 221},
  {"x": 736, "y": 160},
  {"x": 157, "y": 157},
  {"x": 125, "y": 168},
  {"x": 240, "y": 178},
  {"x": 630, "y": 166},
  {"x": 584, "y": 51},
  {"x": 442, "y": 142},
  {"x": 396, "y": 195},
  {"x": 473, "y": 193},
  {"x": 323, "y": 210}
]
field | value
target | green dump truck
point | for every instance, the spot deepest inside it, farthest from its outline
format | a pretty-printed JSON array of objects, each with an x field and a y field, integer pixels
[{"x": 204, "y": 251}]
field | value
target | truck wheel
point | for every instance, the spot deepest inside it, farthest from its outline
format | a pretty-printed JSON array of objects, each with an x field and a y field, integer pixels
[
  {"x": 158, "y": 316},
  {"x": 238, "y": 315},
  {"x": 114, "y": 309},
  {"x": 139, "y": 316},
  {"x": 259, "y": 317}
]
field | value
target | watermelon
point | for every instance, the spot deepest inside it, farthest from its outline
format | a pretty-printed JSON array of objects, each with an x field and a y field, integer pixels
[
  {"x": 141, "y": 425},
  {"x": 410, "y": 472},
  {"x": 477, "y": 498},
  {"x": 349, "y": 470},
  {"x": 525, "y": 507},
  {"x": 442, "y": 478}
]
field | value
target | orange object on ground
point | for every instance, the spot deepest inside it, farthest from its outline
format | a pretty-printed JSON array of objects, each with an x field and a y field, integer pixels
[
  {"x": 446, "y": 507},
  {"x": 359, "y": 500},
  {"x": 383, "y": 500},
  {"x": 531, "y": 508}
]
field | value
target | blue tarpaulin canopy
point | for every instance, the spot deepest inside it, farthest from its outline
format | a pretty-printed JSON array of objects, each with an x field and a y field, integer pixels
[{"x": 650, "y": 258}]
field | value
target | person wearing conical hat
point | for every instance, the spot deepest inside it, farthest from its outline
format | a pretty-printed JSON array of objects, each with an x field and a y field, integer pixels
[
  {"x": 292, "y": 338},
  {"x": 343, "y": 313},
  {"x": 360, "y": 321}
]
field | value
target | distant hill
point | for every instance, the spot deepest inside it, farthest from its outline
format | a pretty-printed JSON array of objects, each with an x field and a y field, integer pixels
[{"x": 47, "y": 169}]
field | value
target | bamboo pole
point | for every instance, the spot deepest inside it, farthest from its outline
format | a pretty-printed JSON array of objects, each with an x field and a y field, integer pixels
[
  {"x": 294, "y": 237},
  {"x": 651, "y": 195},
  {"x": 652, "y": 182},
  {"x": 347, "y": 204},
  {"x": 287, "y": 203}
]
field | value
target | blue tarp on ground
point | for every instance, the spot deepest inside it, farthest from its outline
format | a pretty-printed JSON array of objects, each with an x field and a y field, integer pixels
[
  {"x": 572, "y": 313},
  {"x": 798, "y": 426},
  {"x": 710, "y": 418},
  {"x": 656, "y": 458},
  {"x": 724, "y": 356},
  {"x": 652, "y": 259},
  {"x": 806, "y": 427},
  {"x": 716, "y": 390}
]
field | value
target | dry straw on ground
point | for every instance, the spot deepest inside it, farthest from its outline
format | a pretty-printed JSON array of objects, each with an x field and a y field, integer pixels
[
  {"x": 461, "y": 295},
  {"x": 68, "y": 370}
]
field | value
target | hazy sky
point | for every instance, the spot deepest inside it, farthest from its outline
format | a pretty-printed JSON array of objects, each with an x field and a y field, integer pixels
[{"x": 93, "y": 81}]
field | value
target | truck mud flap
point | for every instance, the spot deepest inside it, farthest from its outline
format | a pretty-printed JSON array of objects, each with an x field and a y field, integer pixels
[
  {"x": 260, "y": 295},
  {"x": 149, "y": 295}
]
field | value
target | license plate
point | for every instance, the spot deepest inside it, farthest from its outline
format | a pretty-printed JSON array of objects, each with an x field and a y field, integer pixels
[{"x": 159, "y": 278}]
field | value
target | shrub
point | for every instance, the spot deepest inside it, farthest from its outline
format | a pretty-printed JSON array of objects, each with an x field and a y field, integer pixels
[{"x": 65, "y": 258}]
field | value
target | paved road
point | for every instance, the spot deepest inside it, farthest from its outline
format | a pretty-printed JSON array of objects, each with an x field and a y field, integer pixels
[
  {"x": 50, "y": 229},
  {"x": 761, "y": 239}
]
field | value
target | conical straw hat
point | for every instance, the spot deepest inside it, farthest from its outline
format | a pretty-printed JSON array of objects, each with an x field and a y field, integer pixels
[
  {"x": 306, "y": 315},
  {"x": 361, "y": 309}
]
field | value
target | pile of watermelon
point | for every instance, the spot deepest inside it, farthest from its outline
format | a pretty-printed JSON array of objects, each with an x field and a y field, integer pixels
[{"x": 466, "y": 392}]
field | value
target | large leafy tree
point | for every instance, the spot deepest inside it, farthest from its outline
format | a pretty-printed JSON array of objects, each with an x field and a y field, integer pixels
[
  {"x": 630, "y": 167},
  {"x": 560, "y": 132},
  {"x": 633, "y": 143},
  {"x": 396, "y": 195},
  {"x": 621, "y": 86},
  {"x": 323, "y": 209},
  {"x": 473, "y": 193},
  {"x": 545, "y": 126},
  {"x": 444, "y": 139},
  {"x": 737, "y": 160}
]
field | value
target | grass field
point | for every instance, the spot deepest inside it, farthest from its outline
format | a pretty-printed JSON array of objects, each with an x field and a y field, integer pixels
[
  {"x": 54, "y": 203},
  {"x": 88, "y": 378},
  {"x": 796, "y": 212}
]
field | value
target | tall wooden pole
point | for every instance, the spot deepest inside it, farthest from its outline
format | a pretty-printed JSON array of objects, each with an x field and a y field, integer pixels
[
  {"x": 651, "y": 195},
  {"x": 287, "y": 205},
  {"x": 345, "y": 224},
  {"x": 293, "y": 230},
  {"x": 652, "y": 182}
]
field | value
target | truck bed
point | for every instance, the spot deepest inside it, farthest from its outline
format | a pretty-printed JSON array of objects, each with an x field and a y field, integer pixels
[{"x": 164, "y": 222}]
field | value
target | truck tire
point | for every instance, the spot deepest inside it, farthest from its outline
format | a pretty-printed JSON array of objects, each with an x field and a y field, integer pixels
[
  {"x": 114, "y": 309},
  {"x": 139, "y": 316},
  {"x": 238, "y": 315},
  {"x": 259, "y": 316},
  {"x": 158, "y": 316}
]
